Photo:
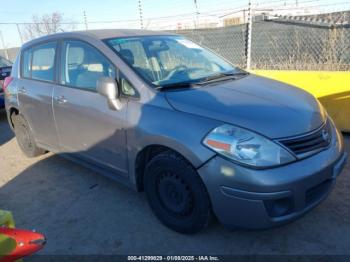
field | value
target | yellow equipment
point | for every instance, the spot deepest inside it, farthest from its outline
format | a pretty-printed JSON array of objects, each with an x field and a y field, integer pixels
[
  {"x": 7, "y": 245},
  {"x": 331, "y": 88}
]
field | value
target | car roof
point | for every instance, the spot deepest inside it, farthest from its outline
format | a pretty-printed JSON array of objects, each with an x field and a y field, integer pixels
[
  {"x": 111, "y": 33},
  {"x": 99, "y": 34}
]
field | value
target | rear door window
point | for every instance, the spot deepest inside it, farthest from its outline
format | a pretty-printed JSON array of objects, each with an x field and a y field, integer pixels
[{"x": 43, "y": 62}]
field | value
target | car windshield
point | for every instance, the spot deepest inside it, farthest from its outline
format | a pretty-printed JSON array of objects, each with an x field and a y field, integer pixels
[
  {"x": 4, "y": 62},
  {"x": 170, "y": 60}
]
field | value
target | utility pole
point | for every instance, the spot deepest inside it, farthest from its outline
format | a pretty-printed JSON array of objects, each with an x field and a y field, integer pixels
[
  {"x": 20, "y": 33},
  {"x": 197, "y": 13},
  {"x": 141, "y": 13},
  {"x": 249, "y": 35},
  {"x": 85, "y": 21},
  {"x": 3, "y": 45}
]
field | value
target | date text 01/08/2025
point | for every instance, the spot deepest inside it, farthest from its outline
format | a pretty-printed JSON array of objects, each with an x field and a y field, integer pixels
[{"x": 173, "y": 258}]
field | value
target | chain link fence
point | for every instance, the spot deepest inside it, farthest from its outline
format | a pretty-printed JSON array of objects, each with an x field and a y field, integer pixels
[
  {"x": 229, "y": 42},
  {"x": 9, "y": 53},
  {"x": 300, "y": 46},
  {"x": 308, "y": 42},
  {"x": 285, "y": 43}
]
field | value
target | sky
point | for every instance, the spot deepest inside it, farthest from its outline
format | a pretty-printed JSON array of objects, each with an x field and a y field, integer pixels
[{"x": 21, "y": 11}]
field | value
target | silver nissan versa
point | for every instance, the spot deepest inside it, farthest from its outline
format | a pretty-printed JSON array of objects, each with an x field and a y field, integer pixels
[{"x": 166, "y": 116}]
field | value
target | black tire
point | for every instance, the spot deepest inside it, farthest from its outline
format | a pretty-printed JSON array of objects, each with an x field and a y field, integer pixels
[
  {"x": 25, "y": 137},
  {"x": 176, "y": 193}
]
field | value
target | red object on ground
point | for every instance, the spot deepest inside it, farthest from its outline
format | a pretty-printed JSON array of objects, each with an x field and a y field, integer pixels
[{"x": 28, "y": 242}]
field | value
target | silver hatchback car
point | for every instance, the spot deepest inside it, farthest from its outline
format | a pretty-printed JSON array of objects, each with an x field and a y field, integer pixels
[{"x": 164, "y": 115}]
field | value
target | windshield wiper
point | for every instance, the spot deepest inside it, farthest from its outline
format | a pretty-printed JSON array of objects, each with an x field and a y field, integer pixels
[
  {"x": 222, "y": 76},
  {"x": 176, "y": 85},
  {"x": 209, "y": 79}
]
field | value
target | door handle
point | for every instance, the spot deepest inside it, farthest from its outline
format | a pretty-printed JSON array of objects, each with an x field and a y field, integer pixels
[
  {"x": 22, "y": 90},
  {"x": 60, "y": 99}
]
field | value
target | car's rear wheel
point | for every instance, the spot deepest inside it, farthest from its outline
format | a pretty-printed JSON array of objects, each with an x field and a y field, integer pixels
[
  {"x": 176, "y": 193},
  {"x": 25, "y": 137}
]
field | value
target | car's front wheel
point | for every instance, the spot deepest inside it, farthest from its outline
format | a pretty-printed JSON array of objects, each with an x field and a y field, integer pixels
[
  {"x": 176, "y": 193},
  {"x": 25, "y": 137}
]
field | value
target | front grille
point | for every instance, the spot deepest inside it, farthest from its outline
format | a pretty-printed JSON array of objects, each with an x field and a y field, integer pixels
[{"x": 311, "y": 143}]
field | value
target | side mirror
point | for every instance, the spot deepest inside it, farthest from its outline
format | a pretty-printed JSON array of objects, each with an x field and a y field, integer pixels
[{"x": 108, "y": 87}]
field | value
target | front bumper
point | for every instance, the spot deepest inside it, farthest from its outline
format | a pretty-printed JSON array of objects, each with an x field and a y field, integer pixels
[{"x": 257, "y": 199}]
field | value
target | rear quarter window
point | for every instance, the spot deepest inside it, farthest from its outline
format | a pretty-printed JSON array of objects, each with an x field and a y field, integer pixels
[{"x": 26, "y": 63}]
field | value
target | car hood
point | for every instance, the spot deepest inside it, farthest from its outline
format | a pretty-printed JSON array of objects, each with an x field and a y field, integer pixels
[{"x": 265, "y": 106}]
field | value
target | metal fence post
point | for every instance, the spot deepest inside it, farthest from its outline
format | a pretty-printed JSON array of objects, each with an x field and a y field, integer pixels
[
  {"x": 140, "y": 14},
  {"x": 249, "y": 37},
  {"x": 85, "y": 21},
  {"x": 20, "y": 33}
]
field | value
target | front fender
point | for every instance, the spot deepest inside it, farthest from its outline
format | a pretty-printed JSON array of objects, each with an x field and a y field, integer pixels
[{"x": 182, "y": 132}]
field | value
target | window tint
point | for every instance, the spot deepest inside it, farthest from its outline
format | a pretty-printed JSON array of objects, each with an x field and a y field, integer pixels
[
  {"x": 43, "y": 62},
  {"x": 136, "y": 53},
  {"x": 26, "y": 63},
  {"x": 167, "y": 60},
  {"x": 83, "y": 65}
]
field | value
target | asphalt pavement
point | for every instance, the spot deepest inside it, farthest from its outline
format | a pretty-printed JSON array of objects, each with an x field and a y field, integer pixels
[{"x": 84, "y": 213}]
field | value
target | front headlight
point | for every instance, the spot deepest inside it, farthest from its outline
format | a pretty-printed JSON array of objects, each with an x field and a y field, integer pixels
[{"x": 246, "y": 147}]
